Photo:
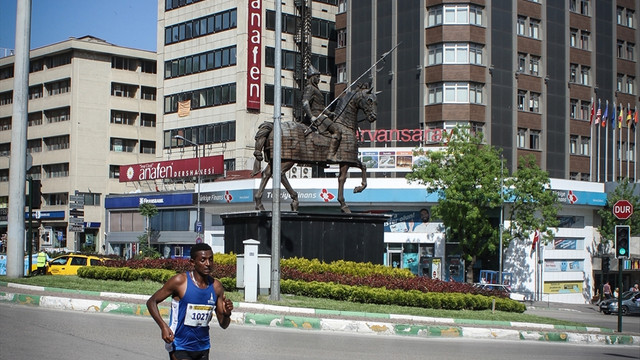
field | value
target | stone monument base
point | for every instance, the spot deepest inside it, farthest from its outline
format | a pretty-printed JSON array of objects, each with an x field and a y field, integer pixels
[{"x": 326, "y": 237}]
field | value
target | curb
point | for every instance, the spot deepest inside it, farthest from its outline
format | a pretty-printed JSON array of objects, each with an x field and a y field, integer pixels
[{"x": 375, "y": 324}]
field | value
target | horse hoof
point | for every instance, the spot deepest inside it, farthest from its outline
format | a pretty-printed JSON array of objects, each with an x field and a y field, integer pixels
[
  {"x": 345, "y": 209},
  {"x": 294, "y": 205},
  {"x": 358, "y": 189}
]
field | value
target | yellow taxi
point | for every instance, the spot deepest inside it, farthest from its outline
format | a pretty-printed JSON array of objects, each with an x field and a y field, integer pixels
[{"x": 70, "y": 263}]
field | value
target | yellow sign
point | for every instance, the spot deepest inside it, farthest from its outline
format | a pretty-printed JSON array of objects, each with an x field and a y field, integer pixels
[{"x": 569, "y": 287}]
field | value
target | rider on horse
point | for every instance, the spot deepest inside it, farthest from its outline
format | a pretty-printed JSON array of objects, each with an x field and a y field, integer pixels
[{"x": 321, "y": 118}]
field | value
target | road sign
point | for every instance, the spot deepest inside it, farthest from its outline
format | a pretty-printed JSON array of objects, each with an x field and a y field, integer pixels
[
  {"x": 76, "y": 212},
  {"x": 76, "y": 227},
  {"x": 74, "y": 205},
  {"x": 76, "y": 220},
  {"x": 622, "y": 209},
  {"x": 76, "y": 198},
  {"x": 198, "y": 240}
]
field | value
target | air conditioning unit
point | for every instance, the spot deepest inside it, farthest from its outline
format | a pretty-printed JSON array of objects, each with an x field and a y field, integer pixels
[{"x": 299, "y": 172}]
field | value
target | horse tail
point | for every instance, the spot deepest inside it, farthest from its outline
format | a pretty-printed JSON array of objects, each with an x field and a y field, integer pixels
[{"x": 260, "y": 140}]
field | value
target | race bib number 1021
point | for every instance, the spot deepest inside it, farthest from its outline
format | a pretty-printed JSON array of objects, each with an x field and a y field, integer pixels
[{"x": 198, "y": 315}]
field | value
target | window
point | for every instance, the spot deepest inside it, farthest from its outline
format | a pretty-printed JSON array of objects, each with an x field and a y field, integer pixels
[
  {"x": 58, "y": 115},
  {"x": 522, "y": 61},
  {"x": 534, "y": 29},
  {"x": 207, "y": 25},
  {"x": 573, "y": 37},
  {"x": 58, "y": 87},
  {"x": 342, "y": 38},
  {"x": 123, "y": 63},
  {"x": 573, "y": 144},
  {"x": 455, "y": 53},
  {"x": 56, "y": 142},
  {"x": 204, "y": 134},
  {"x": 534, "y": 139},
  {"x": 584, "y": 40},
  {"x": 214, "y": 59},
  {"x": 6, "y": 98},
  {"x": 5, "y": 123},
  {"x": 35, "y": 92},
  {"x": 122, "y": 145},
  {"x": 56, "y": 170},
  {"x": 522, "y": 96},
  {"x": 585, "y": 145},
  {"x": 123, "y": 90},
  {"x": 58, "y": 60},
  {"x": 342, "y": 73},
  {"x": 630, "y": 85},
  {"x": 147, "y": 147},
  {"x": 56, "y": 198},
  {"x": 148, "y": 93},
  {"x": 585, "y": 72},
  {"x": 5, "y": 149},
  {"x": 123, "y": 117},
  {"x": 534, "y": 102},
  {"x": 521, "y": 138},
  {"x": 214, "y": 96},
  {"x": 35, "y": 172},
  {"x": 4, "y": 175},
  {"x": 35, "y": 119},
  {"x": 342, "y": 6},
  {"x": 451, "y": 92},
  {"x": 34, "y": 146},
  {"x": 454, "y": 14},
  {"x": 91, "y": 199},
  {"x": 573, "y": 108},
  {"x": 114, "y": 171},
  {"x": 148, "y": 120},
  {"x": 521, "y": 25}
]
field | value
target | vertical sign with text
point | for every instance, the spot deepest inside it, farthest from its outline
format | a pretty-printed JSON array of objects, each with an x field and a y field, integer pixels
[{"x": 254, "y": 51}]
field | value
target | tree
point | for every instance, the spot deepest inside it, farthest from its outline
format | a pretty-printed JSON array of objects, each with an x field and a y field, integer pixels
[
  {"x": 624, "y": 191},
  {"x": 148, "y": 211},
  {"x": 533, "y": 205},
  {"x": 466, "y": 173}
]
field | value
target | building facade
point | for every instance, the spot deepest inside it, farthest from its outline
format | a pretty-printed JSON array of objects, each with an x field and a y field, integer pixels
[
  {"x": 530, "y": 74},
  {"x": 91, "y": 108}
]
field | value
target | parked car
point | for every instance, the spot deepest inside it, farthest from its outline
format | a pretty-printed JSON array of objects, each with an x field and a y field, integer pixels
[
  {"x": 70, "y": 263},
  {"x": 604, "y": 304},
  {"x": 503, "y": 288},
  {"x": 629, "y": 306}
]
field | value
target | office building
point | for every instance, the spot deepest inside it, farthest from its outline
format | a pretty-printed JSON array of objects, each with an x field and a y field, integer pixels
[{"x": 91, "y": 108}]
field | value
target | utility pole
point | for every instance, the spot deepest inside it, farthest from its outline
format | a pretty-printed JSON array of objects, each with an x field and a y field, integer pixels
[{"x": 17, "y": 161}]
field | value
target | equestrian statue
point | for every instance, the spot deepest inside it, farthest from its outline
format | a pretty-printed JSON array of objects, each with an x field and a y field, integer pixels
[{"x": 332, "y": 140}]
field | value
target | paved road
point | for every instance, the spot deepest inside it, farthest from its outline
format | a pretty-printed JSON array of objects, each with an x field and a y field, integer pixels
[
  {"x": 586, "y": 314},
  {"x": 32, "y": 333}
]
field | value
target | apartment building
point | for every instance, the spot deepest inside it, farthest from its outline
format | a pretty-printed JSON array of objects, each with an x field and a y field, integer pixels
[
  {"x": 217, "y": 71},
  {"x": 529, "y": 74},
  {"x": 92, "y": 108}
]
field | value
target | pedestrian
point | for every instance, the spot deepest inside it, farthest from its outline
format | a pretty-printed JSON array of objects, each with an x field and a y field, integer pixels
[
  {"x": 41, "y": 262},
  {"x": 606, "y": 290},
  {"x": 635, "y": 288},
  {"x": 195, "y": 296}
]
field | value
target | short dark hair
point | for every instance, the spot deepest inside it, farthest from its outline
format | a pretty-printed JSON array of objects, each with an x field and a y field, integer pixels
[{"x": 199, "y": 247}]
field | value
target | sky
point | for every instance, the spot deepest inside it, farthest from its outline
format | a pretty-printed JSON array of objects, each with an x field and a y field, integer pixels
[{"x": 127, "y": 23}]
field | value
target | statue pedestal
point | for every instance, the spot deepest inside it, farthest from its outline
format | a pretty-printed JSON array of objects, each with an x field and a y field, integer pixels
[{"x": 326, "y": 237}]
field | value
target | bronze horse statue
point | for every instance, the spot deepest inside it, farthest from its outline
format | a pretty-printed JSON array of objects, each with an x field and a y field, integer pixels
[{"x": 313, "y": 148}]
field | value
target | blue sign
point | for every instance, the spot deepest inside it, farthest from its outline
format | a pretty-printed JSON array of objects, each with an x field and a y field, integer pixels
[{"x": 128, "y": 202}]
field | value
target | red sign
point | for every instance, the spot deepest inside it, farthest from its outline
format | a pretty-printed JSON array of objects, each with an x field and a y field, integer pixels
[
  {"x": 210, "y": 165},
  {"x": 254, "y": 58},
  {"x": 622, "y": 209}
]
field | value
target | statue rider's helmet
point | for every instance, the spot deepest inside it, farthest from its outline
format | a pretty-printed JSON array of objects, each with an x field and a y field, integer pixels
[{"x": 312, "y": 71}]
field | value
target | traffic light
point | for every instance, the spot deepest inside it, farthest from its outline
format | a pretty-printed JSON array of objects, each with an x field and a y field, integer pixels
[
  {"x": 36, "y": 197},
  {"x": 622, "y": 241},
  {"x": 605, "y": 265}
]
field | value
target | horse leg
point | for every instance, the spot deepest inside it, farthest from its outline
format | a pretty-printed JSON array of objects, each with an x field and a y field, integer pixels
[
  {"x": 286, "y": 166},
  {"x": 363, "y": 170},
  {"x": 342, "y": 177},
  {"x": 266, "y": 174}
]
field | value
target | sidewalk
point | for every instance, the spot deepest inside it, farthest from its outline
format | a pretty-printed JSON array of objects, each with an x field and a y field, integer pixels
[{"x": 254, "y": 314}]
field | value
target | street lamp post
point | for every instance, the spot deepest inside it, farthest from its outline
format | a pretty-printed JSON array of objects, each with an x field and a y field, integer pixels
[{"x": 199, "y": 175}]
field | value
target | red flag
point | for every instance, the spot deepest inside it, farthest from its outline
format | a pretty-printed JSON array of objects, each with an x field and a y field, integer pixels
[
  {"x": 593, "y": 111},
  {"x": 635, "y": 115},
  {"x": 628, "y": 114},
  {"x": 536, "y": 238},
  {"x": 598, "y": 114}
]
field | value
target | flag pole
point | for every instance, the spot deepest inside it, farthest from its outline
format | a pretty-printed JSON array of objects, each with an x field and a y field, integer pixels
[
  {"x": 628, "y": 126},
  {"x": 598, "y": 118},
  {"x": 605, "y": 118},
  {"x": 591, "y": 145}
]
